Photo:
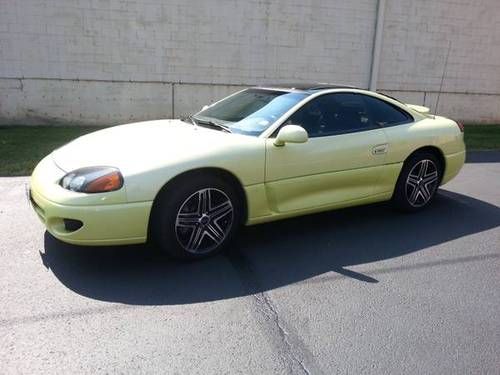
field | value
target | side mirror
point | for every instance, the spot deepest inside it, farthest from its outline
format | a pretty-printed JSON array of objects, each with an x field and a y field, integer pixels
[{"x": 291, "y": 134}]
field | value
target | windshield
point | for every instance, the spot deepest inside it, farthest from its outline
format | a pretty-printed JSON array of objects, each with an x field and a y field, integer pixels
[{"x": 251, "y": 111}]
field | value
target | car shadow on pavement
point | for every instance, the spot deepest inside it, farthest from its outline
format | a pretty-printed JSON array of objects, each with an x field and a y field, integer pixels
[{"x": 269, "y": 256}]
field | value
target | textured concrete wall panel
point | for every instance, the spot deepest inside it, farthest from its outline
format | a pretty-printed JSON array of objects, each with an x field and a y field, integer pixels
[
  {"x": 115, "y": 61},
  {"x": 32, "y": 102}
]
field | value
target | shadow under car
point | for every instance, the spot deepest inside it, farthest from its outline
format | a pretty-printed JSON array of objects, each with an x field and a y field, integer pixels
[{"x": 268, "y": 256}]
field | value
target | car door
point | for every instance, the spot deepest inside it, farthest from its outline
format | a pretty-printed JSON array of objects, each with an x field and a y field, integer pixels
[
  {"x": 401, "y": 132},
  {"x": 341, "y": 161}
]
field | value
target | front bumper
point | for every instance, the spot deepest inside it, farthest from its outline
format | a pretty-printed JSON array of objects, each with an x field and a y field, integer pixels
[{"x": 105, "y": 222}]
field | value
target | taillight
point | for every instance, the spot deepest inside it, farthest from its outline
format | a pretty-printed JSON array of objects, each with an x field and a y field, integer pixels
[{"x": 460, "y": 126}]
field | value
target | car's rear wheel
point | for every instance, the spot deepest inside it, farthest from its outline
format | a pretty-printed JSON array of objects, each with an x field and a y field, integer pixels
[
  {"x": 196, "y": 218},
  {"x": 418, "y": 182}
]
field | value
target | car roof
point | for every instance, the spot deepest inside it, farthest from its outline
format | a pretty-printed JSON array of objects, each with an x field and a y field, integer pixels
[{"x": 316, "y": 86}]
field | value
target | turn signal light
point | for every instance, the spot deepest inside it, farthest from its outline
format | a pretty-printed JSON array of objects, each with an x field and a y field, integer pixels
[
  {"x": 93, "y": 180},
  {"x": 109, "y": 182}
]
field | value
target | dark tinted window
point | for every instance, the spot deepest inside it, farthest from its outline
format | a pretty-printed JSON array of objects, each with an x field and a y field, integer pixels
[
  {"x": 333, "y": 114},
  {"x": 385, "y": 114}
]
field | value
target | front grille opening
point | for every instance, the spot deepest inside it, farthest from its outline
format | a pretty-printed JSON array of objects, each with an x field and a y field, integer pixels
[{"x": 72, "y": 225}]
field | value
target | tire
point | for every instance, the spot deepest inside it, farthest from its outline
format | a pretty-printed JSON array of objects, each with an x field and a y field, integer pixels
[
  {"x": 418, "y": 182},
  {"x": 196, "y": 217}
]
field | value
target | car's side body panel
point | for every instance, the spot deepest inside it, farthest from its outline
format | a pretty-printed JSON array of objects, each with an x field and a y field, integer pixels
[
  {"x": 245, "y": 161},
  {"x": 324, "y": 170},
  {"x": 439, "y": 132},
  {"x": 273, "y": 215},
  {"x": 295, "y": 194}
]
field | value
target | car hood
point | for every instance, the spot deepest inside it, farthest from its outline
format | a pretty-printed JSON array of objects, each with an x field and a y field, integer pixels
[{"x": 134, "y": 148}]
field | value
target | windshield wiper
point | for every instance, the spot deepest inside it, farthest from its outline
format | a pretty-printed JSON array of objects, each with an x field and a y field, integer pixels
[
  {"x": 207, "y": 123},
  {"x": 189, "y": 119},
  {"x": 211, "y": 124}
]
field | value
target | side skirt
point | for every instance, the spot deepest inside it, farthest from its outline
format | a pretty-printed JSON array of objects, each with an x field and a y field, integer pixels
[{"x": 355, "y": 202}]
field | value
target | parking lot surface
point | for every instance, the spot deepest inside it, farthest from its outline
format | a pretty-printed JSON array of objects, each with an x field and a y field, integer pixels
[{"x": 360, "y": 290}]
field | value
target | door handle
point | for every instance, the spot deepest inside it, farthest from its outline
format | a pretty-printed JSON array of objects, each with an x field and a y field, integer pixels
[{"x": 380, "y": 149}]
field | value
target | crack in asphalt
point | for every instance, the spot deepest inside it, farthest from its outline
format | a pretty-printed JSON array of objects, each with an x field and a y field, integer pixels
[
  {"x": 270, "y": 311},
  {"x": 292, "y": 351}
]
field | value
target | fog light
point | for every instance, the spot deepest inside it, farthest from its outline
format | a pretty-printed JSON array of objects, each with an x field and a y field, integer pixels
[{"x": 72, "y": 225}]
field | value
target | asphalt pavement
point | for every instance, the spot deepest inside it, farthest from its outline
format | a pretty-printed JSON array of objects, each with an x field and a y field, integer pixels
[{"x": 360, "y": 290}]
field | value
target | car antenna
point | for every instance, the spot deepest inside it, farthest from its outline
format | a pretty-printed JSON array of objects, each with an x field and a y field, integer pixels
[{"x": 442, "y": 77}]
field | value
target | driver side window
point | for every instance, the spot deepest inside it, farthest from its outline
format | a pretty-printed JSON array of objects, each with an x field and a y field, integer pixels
[{"x": 333, "y": 114}]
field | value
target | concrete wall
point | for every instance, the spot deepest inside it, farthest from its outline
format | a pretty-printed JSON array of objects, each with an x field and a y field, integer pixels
[
  {"x": 113, "y": 61},
  {"x": 452, "y": 46}
]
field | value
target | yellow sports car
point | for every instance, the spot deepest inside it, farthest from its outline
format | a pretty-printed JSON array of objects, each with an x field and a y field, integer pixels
[{"x": 261, "y": 154}]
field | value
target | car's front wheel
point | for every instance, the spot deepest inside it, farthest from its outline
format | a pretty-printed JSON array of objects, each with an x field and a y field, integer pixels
[
  {"x": 418, "y": 182},
  {"x": 196, "y": 218}
]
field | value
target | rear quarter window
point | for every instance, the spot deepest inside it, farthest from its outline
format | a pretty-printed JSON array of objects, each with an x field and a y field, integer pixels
[{"x": 385, "y": 114}]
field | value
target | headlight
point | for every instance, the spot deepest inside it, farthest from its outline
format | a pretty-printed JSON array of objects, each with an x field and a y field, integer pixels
[{"x": 93, "y": 180}]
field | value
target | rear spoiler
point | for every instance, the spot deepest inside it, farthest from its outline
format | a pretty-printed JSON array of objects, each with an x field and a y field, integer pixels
[{"x": 419, "y": 108}]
